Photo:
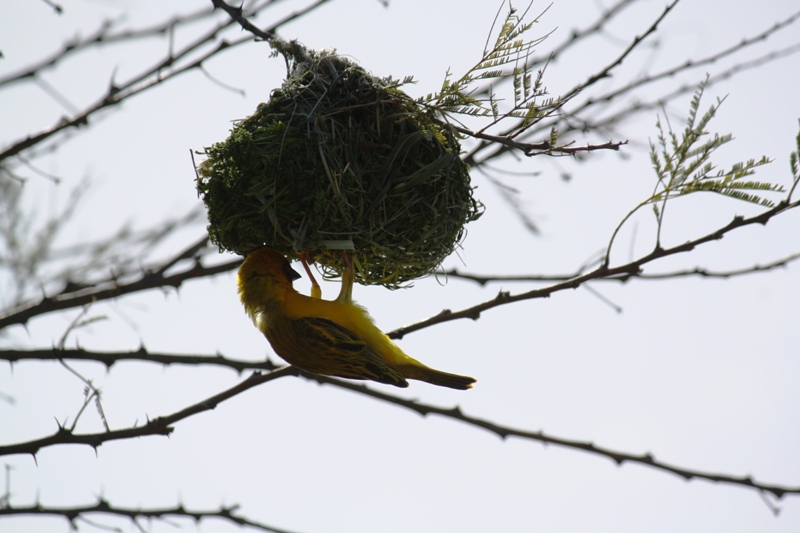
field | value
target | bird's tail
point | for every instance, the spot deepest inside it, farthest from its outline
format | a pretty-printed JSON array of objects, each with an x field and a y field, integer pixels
[{"x": 437, "y": 377}]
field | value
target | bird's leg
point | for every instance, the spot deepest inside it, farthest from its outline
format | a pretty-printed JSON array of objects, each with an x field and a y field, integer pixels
[
  {"x": 346, "y": 293},
  {"x": 316, "y": 291}
]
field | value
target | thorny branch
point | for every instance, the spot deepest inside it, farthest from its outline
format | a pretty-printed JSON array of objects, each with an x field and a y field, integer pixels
[
  {"x": 504, "y": 432},
  {"x": 518, "y": 132},
  {"x": 102, "y": 507},
  {"x": 111, "y": 358},
  {"x": 157, "y": 74},
  {"x": 157, "y": 277},
  {"x": 529, "y": 149},
  {"x": 622, "y": 272},
  {"x": 576, "y": 119},
  {"x": 103, "y": 35},
  {"x": 699, "y": 272},
  {"x": 164, "y": 426}
]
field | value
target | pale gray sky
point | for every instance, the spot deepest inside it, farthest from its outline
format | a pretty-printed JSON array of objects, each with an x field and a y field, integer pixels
[{"x": 703, "y": 374}]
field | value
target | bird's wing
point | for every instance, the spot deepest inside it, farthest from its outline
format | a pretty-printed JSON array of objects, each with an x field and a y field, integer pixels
[{"x": 337, "y": 351}]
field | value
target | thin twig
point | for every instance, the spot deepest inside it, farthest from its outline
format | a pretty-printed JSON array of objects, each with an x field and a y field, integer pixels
[
  {"x": 627, "y": 270},
  {"x": 163, "y": 426},
  {"x": 141, "y": 355},
  {"x": 158, "y": 426},
  {"x": 103, "y": 507},
  {"x": 697, "y": 271},
  {"x": 504, "y": 432},
  {"x": 157, "y": 74},
  {"x": 148, "y": 279}
]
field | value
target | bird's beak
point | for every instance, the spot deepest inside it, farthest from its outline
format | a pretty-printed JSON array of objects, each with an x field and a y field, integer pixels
[{"x": 294, "y": 274}]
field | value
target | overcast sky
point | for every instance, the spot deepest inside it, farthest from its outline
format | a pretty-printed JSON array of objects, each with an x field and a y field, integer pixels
[{"x": 702, "y": 373}]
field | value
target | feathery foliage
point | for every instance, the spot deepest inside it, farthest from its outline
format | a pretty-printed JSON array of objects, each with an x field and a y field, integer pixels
[
  {"x": 794, "y": 164},
  {"x": 683, "y": 166},
  {"x": 469, "y": 95}
]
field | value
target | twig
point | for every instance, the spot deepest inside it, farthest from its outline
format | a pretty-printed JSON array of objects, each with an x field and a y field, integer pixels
[
  {"x": 504, "y": 432},
  {"x": 158, "y": 426},
  {"x": 627, "y": 270},
  {"x": 697, "y": 271},
  {"x": 163, "y": 426},
  {"x": 148, "y": 279},
  {"x": 160, "y": 72},
  {"x": 571, "y": 119},
  {"x": 111, "y": 358},
  {"x": 105, "y": 508}
]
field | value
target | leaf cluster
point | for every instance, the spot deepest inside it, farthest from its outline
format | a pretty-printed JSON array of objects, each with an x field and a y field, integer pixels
[
  {"x": 683, "y": 163},
  {"x": 683, "y": 166},
  {"x": 507, "y": 58}
]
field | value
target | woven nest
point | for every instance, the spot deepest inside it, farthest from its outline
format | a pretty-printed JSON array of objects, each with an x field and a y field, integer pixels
[{"x": 340, "y": 159}]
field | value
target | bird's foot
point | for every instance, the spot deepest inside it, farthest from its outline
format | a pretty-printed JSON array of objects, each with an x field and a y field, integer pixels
[{"x": 305, "y": 259}]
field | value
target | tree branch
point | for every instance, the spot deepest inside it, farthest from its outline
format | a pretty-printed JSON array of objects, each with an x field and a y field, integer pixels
[
  {"x": 103, "y": 35},
  {"x": 697, "y": 271},
  {"x": 111, "y": 358},
  {"x": 150, "y": 77},
  {"x": 158, "y": 426},
  {"x": 72, "y": 514},
  {"x": 627, "y": 270},
  {"x": 632, "y": 108},
  {"x": 504, "y": 432},
  {"x": 76, "y": 296},
  {"x": 163, "y": 426}
]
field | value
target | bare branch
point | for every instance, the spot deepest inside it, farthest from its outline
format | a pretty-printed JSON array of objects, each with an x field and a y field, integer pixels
[
  {"x": 626, "y": 270},
  {"x": 103, "y": 35},
  {"x": 76, "y": 296},
  {"x": 157, "y": 74},
  {"x": 540, "y": 148},
  {"x": 111, "y": 358},
  {"x": 504, "y": 432},
  {"x": 575, "y": 119},
  {"x": 697, "y": 271},
  {"x": 163, "y": 426},
  {"x": 158, "y": 426},
  {"x": 72, "y": 514},
  {"x": 578, "y": 36}
]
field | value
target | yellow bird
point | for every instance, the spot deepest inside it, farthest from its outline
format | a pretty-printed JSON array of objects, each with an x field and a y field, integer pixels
[{"x": 332, "y": 338}]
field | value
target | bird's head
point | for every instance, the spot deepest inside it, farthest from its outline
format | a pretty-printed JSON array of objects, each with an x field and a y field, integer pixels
[{"x": 264, "y": 279}]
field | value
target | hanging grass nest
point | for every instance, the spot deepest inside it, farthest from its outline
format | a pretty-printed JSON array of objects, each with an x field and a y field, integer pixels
[{"x": 340, "y": 159}]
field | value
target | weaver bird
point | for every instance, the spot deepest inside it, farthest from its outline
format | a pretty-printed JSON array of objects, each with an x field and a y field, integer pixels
[{"x": 332, "y": 338}]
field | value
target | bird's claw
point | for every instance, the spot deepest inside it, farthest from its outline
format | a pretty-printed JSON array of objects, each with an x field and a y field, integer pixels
[{"x": 305, "y": 259}]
